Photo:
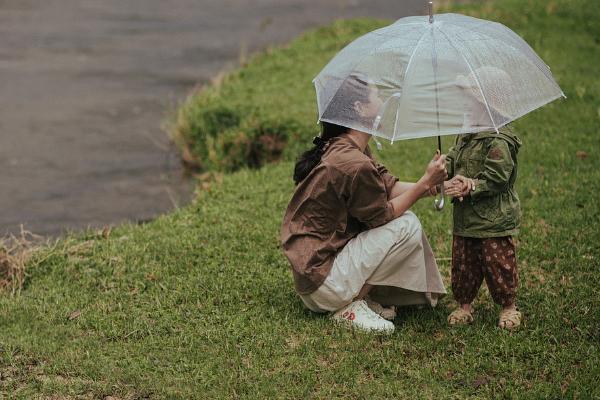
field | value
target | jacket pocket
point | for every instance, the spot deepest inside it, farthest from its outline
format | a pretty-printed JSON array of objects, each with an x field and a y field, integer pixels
[
  {"x": 511, "y": 211},
  {"x": 488, "y": 208},
  {"x": 474, "y": 165}
]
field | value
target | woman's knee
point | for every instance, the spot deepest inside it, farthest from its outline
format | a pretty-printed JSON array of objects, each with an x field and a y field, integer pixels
[{"x": 407, "y": 226}]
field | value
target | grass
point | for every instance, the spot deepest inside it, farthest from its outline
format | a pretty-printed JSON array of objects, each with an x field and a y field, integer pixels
[{"x": 199, "y": 303}]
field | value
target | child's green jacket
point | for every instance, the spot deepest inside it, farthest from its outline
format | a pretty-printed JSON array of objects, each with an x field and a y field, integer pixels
[{"x": 493, "y": 209}]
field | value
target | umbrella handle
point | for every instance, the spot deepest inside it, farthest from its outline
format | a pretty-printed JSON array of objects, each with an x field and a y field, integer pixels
[{"x": 438, "y": 204}]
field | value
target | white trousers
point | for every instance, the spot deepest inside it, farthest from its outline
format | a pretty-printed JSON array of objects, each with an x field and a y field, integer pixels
[{"x": 395, "y": 258}]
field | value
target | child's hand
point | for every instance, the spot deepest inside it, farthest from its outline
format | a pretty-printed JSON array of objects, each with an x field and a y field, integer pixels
[
  {"x": 459, "y": 187},
  {"x": 453, "y": 188}
]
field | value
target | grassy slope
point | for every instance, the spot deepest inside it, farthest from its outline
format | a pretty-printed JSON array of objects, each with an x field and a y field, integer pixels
[
  {"x": 272, "y": 95},
  {"x": 199, "y": 304}
]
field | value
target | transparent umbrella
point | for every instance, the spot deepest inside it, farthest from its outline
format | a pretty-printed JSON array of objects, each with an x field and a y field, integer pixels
[{"x": 444, "y": 74}]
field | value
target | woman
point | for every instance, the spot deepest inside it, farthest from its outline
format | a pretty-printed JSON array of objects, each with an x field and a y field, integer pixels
[{"x": 347, "y": 231}]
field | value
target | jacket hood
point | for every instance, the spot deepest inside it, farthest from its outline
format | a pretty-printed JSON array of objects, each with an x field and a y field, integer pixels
[{"x": 506, "y": 133}]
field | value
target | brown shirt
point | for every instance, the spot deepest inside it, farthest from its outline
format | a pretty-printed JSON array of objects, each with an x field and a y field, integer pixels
[{"x": 345, "y": 194}]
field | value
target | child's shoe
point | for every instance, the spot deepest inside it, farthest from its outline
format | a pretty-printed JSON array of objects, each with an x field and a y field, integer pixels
[
  {"x": 460, "y": 316},
  {"x": 510, "y": 318},
  {"x": 358, "y": 315}
]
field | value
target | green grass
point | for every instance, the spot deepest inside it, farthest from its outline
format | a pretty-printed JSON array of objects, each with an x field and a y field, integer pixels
[{"x": 199, "y": 303}]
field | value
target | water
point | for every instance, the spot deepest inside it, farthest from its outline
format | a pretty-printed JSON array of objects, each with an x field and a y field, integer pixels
[{"x": 86, "y": 85}]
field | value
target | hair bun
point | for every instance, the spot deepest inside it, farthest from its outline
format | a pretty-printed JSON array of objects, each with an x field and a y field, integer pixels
[{"x": 319, "y": 141}]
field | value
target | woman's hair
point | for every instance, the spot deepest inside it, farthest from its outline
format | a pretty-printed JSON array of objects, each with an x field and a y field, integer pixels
[
  {"x": 309, "y": 159},
  {"x": 354, "y": 88}
]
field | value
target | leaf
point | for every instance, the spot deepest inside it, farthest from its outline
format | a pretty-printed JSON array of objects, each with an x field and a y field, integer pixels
[
  {"x": 544, "y": 226},
  {"x": 106, "y": 232},
  {"x": 582, "y": 155},
  {"x": 204, "y": 177},
  {"x": 550, "y": 8},
  {"x": 151, "y": 277},
  {"x": 74, "y": 315},
  {"x": 480, "y": 381}
]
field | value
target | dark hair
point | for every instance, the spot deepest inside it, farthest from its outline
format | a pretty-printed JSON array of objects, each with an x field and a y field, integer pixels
[
  {"x": 309, "y": 159},
  {"x": 353, "y": 89}
]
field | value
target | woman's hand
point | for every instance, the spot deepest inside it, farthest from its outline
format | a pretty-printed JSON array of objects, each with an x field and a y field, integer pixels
[
  {"x": 459, "y": 187},
  {"x": 406, "y": 194},
  {"x": 436, "y": 172}
]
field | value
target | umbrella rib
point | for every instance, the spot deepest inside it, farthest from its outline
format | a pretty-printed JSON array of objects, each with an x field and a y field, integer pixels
[
  {"x": 511, "y": 45},
  {"x": 487, "y": 106},
  {"x": 385, "y": 41},
  {"x": 413, "y": 54},
  {"x": 404, "y": 80},
  {"x": 346, "y": 78}
]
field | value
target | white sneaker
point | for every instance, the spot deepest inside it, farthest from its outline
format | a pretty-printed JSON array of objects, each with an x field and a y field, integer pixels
[
  {"x": 357, "y": 314},
  {"x": 388, "y": 313}
]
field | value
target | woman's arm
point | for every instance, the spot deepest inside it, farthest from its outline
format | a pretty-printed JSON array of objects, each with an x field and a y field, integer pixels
[
  {"x": 407, "y": 193},
  {"x": 401, "y": 187},
  {"x": 368, "y": 197}
]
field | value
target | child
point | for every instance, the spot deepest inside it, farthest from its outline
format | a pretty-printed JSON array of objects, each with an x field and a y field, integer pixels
[{"x": 485, "y": 219}]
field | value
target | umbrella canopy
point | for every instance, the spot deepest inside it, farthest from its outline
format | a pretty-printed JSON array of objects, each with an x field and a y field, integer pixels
[{"x": 438, "y": 75}]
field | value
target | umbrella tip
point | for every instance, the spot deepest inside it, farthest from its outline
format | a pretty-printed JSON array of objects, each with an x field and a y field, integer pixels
[{"x": 430, "y": 12}]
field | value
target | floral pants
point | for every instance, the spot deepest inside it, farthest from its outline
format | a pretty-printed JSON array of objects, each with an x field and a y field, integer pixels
[{"x": 492, "y": 259}]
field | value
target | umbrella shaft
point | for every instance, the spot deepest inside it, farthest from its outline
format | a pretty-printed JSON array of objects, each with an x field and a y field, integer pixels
[{"x": 430, "y": 12}]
